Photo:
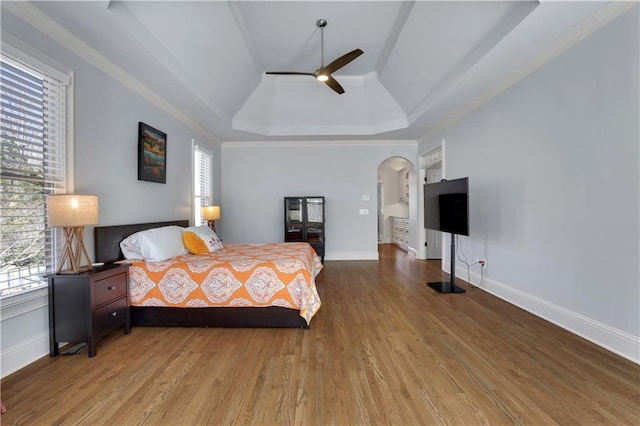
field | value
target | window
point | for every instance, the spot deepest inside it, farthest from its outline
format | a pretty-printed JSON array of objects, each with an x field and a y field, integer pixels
[
  {"x": 202, "y": 163},
  {"x": 33, "y": 163}
]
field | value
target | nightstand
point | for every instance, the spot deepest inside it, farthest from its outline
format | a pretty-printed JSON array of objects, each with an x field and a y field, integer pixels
[{"x": 85, "y": 307}]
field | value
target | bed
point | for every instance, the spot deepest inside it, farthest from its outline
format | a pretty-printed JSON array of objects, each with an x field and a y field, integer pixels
[{"x": 267, "y": 308}]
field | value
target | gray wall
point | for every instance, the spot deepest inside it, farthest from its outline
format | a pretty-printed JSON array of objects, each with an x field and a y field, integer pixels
[
  {"x": 257, "y": 177},
  {"x": 106, "y": 124},
  {"x": 554, "y": 186}
]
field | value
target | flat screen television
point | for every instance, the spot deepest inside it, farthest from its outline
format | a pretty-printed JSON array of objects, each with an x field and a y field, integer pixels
[
  {"x": 446, "y": 209},
  {"x": 446, "y": 206}
]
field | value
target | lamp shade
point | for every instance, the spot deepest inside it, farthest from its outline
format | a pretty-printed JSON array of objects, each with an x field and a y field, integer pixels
[
  {"x": 70, "y": 210},
  {"x": 211, "y": 213}
]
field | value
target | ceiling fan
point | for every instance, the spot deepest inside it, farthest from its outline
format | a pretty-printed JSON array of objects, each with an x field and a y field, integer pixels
[{"x": 324, "y": 72}]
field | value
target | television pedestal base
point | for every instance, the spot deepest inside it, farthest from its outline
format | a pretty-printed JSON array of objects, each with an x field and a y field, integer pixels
[
  {"x": 449, "y": 287},
  {"x": 446, "y": 287}
]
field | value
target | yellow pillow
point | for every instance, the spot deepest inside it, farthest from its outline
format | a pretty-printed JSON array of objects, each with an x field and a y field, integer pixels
[
  {"x": 194, "y": 243},
  {"x": 201, "y": 240}
]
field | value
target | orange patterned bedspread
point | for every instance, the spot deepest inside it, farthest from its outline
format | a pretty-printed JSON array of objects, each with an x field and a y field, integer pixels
[{"x": 276, "y": 274}]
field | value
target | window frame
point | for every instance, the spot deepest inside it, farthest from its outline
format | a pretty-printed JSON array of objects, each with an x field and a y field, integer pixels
[
  {"x": 197, "y": 198},
  {"x": 20, "y": 53}
]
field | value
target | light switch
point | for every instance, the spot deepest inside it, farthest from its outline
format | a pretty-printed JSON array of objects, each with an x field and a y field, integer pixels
[
  {"x": 365, "y": 197},
  {"x": 364, "y": 211}
]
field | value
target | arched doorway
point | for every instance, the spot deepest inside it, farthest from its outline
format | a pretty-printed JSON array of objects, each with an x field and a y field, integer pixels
[{"x": 395, "y": 195}]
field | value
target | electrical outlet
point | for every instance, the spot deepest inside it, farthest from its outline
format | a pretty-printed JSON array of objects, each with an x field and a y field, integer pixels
[
  {"x": 481, "y": 262},
  {"x": 364, "y": 211}
]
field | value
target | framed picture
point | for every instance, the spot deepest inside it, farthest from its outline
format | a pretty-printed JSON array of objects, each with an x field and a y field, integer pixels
[{"x": 152, "y": 154}]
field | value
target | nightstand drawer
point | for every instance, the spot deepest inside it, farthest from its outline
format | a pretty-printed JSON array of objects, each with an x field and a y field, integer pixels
[
  {"x": 112, "y": 315},
  {"x": 110, "y": 288}
]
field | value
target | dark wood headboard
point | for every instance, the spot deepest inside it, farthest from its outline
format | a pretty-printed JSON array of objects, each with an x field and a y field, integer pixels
[{"x": 107, "y": 238}]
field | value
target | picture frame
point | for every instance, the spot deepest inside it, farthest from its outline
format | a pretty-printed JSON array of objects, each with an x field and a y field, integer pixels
[{"x": 152, "y": 154}]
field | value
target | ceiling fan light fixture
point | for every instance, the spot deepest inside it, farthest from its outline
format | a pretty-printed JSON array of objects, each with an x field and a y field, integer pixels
[{"x": 322, "y": 77}]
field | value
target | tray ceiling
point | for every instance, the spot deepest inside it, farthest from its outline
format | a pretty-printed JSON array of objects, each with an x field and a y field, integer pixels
[{"x": 424, "y": 62}]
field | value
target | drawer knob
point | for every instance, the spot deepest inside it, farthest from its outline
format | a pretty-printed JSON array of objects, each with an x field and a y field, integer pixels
[
  {"x": 112, "y": 287},
  {"x": 113, "y": 314}
]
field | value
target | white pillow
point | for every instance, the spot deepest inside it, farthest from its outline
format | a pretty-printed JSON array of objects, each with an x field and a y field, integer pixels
[
  {"x": 155, "y": 244},
  {"x": 207, "y": 235}
]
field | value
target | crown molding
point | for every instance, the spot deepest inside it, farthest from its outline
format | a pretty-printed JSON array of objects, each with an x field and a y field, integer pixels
[
  {"x": 37, "y": 19},
  {"x": 323, "y": 143}
]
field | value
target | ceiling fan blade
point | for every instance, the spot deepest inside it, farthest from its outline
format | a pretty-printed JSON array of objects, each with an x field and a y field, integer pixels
[
  {"x": 333, "y": 83},
  {"x": 324, "y": 72},
  {"x": 341, "y": 61},
  {"x": 289, "y": 73}
]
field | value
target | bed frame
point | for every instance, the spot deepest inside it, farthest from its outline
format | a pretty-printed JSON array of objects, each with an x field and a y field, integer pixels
[{"x": 107, "y": 249}]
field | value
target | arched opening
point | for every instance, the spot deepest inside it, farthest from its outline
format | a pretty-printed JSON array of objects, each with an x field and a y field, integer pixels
[{"x": 395, "y": 196}]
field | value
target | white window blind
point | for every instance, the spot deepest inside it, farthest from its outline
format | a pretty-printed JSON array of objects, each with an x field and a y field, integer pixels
[
  {"x": 32, "y": 165},
  {"x": 202, "y": 164}
]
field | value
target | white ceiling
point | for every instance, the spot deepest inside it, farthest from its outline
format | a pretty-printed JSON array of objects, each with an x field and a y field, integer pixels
[{"x": 424, "y": 62}]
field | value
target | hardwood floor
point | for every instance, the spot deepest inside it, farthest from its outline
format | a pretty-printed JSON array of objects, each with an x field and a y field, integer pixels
[{"x": 384, "y": 349}]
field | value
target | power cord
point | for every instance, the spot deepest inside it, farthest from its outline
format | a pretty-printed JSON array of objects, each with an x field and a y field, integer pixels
[
  {"x": 458, "y": 251},
  {"x": 75, "y": 349}
]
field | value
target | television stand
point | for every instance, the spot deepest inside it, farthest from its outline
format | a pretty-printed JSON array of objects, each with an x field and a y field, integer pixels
[
  {"x": 449, "y": 287},
  {"x": 446, "y": 287}
]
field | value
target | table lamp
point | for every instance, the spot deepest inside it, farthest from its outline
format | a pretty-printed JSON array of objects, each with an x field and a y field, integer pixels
[
  {"x": 211, "y": 214},
  {"x": 72, "y": 212}
]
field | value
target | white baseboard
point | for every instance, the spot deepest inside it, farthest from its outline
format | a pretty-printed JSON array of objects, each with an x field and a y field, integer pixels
[
  {"x": 351, "y": 255},
  {"x": 23, "y": 354},
  {"x": 619, "y": 342}
]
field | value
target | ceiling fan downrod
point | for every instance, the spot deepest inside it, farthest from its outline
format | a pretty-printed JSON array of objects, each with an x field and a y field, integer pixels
[{"x": 321, "y": 23}]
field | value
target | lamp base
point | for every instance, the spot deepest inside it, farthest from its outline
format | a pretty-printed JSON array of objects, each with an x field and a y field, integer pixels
[{"x": 73, "y": 252}]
